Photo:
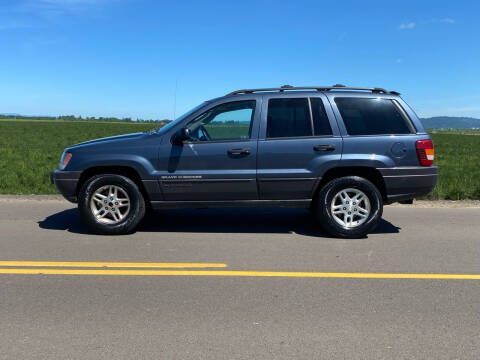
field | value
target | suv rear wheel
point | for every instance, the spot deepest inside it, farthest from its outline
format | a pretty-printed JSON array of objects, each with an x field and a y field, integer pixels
[
  {"x": 349, "y": 207},
  {"x": 111, "y": 204}
]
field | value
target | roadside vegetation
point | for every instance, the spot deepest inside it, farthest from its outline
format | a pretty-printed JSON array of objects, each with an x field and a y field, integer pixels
[
  {"x": 457, "y": 155},
  {"x": 30, "y": 149}
]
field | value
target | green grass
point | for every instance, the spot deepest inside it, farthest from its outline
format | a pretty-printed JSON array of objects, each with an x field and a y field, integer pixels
[
  {"x": 458, "y": 159},
  {"x": 228, "y": 131},
  {"x": 29, "y": 150}
]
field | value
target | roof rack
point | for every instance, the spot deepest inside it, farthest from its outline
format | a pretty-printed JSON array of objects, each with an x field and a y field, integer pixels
[{"x": 283, "y": 88}]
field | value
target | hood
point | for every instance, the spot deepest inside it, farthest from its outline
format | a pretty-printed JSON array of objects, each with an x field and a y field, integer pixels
[{"x": 109, "y": 139}]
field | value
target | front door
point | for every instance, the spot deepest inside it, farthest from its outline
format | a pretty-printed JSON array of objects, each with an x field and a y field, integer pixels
[
  {"x": 218, "y": 162},
  {"x": 298, "y": 142}
]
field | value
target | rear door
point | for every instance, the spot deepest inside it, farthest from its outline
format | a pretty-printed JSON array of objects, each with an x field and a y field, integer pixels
[{"x": 299, "y": 139}]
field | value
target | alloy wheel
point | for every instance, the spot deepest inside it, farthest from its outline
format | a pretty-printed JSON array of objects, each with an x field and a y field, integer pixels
[
  {"x": 110, "y": 204},
  {"x": 350, "y": 207}
]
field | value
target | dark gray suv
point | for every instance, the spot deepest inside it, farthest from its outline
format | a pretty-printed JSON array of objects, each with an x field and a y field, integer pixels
[{"x": 341, "y": 151}]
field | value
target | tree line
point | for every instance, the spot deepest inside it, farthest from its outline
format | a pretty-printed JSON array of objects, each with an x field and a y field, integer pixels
[{"x": 80, "y": 118}]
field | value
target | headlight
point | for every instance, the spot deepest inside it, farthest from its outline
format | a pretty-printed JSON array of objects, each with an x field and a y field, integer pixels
[{"x": 65, "y": 159}]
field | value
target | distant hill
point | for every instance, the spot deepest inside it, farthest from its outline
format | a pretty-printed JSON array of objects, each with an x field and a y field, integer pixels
[{"x": 450, "y": 122}]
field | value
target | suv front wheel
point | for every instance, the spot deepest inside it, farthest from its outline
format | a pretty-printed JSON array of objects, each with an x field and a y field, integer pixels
[
  {"x": 111, "y": 204},
  {"x": 349, "y": 207}
]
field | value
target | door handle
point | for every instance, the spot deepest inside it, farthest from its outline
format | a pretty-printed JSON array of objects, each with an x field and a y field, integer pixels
[
  {"x": 244, "y": 151},
  {"x": 324, "y": 147}
]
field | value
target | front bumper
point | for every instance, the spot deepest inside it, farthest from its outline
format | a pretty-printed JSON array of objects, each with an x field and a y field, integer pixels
[
  {"x": 66, "y": 182},
  {"x": 406, "y": 183}
]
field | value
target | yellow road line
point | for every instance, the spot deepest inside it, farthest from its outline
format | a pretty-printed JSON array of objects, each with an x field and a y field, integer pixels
[
  {"x": 109, "y": 264},
  {"x": 241, "y": 273}
]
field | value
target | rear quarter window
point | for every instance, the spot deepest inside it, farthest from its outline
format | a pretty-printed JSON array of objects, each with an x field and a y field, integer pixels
[{"x": 373, "y": 116}]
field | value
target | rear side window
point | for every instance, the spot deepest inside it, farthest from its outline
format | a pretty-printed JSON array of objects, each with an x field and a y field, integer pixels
[
  {"x": 290, "y": 117},
  {"x": 321, "y": 125},
  {"x": 373, "y": 116}
]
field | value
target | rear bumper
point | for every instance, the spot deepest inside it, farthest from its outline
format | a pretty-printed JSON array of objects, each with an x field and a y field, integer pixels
[
  {"x": 406, "y": 183},
  {"x": 66, "y": 182}
]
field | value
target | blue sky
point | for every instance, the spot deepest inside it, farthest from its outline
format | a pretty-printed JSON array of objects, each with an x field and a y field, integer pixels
[{"x": 124, "y": 57}]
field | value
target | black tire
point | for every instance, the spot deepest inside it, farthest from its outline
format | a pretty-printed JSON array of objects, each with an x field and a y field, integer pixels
[
  {"x": 131, "y": 220},
  {"x": 326, "y": 196}
]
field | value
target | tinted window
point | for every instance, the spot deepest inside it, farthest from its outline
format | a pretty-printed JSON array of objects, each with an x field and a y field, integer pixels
[
  {"x": 288, "y": 118},
  {"x": 372, "y": 116},
  {"x": 321, "y": 125},
  {"x": 230, "y": 121}
]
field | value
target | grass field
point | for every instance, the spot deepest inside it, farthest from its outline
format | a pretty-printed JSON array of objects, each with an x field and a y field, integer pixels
[
  {"x": 29, "y": 150},
  {"x": 458, "y": 159}
]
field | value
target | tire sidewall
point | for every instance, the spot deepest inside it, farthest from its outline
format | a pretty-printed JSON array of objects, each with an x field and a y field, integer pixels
[
  {"x": 137, "y": 204},
  {"x": 327, "y": 195}
]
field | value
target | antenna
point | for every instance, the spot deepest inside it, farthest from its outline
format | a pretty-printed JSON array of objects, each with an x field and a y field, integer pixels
[{"x": 175, "y": 99}]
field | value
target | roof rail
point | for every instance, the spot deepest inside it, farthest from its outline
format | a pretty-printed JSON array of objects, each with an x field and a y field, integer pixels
[{"x": 283, "y": 88}]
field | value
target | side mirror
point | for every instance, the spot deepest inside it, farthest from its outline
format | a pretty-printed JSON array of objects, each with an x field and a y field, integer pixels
[{"x": 181, "y": 136}]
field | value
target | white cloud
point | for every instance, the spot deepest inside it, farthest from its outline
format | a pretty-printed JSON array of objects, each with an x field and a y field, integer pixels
[
  {"x": 447, "y": 20},
  {"x": 25, "y": 14},
  {"x": 58, "y": 5},
  {"x": 51, "y": 10},
  {"x": 68, "y": 2},
  {"x": 407, "y": 26},
  {"x": 412, "y": 25},
  {"x": 399, "y": 60}
]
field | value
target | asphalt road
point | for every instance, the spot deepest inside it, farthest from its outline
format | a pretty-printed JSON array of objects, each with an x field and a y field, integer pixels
[{"x": 213, "y": 316}]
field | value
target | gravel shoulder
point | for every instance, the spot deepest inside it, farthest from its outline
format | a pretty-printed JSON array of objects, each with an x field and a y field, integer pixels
[
  {"x": 50, "y": 197},
  {"x": 441, "y": 204}
]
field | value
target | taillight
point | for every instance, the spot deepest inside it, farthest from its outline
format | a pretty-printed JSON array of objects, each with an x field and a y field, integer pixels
[{"x": 425, "y": 152}]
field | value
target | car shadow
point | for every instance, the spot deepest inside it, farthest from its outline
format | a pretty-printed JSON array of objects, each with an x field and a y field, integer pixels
[{"x": 215, "y": 220}]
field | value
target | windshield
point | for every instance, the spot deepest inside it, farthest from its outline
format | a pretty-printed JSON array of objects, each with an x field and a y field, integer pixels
[{"x": 171, "y": 124}]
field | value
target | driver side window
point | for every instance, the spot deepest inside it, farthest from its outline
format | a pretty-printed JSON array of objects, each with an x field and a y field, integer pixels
[{"x": 229, "y": 121}]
